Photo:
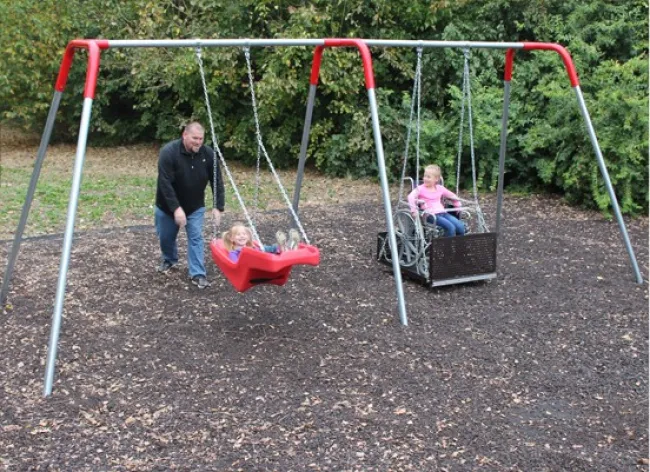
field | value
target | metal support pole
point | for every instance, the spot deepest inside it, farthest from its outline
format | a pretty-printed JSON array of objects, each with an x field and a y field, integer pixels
[
  {"x": 387, "y": 207},
  {"x": 502, "y": 153},
  {"x": 40, "y": 157},
  {"x": 94, "y": 46},
  {"x": 67, "y": 246},
  {"x": 608, "y": 184},
  {"x": 303, "y": 148}
]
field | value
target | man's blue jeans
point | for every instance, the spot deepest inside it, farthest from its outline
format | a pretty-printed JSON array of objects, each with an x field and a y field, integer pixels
[{"x": 167, "y": 231}]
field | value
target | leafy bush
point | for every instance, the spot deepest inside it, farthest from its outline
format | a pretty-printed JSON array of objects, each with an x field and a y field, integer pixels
[{"x": 146, "y": 94}]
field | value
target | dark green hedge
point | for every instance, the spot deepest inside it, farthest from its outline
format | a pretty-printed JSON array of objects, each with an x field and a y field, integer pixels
[{"x": 146, "y": 94}]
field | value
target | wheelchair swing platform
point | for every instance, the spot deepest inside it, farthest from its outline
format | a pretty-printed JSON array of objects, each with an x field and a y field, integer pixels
[{"x": 452, "y": 260}]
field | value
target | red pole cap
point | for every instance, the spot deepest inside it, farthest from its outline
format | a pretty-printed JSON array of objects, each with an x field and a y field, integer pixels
[
  {"x": 365, "y": 56},
  {"x": 94, "y": 47},
  {"x": 510, "y": 58},
  {"x": 315, "y": 65},
  {"x": 564, "y": 54}
]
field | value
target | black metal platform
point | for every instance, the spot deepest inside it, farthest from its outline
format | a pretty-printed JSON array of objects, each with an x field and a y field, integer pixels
[{"x": 452, "y": 260}]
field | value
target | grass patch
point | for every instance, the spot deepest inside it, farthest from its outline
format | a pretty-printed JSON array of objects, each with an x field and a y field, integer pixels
[
  {"x": 118, "y": 188},
  {"x": 107, "y": 200},
  {"x": 102, "y": 202}
]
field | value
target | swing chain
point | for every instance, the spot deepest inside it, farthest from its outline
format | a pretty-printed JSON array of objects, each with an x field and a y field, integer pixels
[
  {"x": 218, "y": 152},
  {"x": 418, "y": 125},
  {"x": 471, "y": 124},
  {"x": 467, "y": 97},
  {"x": 262, "y": 148},
  {"x": 462, "y": 118},
  {"x": 416, "y": 93},
  {"x": 258, "y": 182}
]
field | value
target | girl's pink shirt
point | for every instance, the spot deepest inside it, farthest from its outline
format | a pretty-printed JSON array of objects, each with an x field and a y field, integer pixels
[{"x": 432, "y": 198}]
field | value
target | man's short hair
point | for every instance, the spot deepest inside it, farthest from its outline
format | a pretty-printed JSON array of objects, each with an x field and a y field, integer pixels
[{"x": 193, "y": 125}]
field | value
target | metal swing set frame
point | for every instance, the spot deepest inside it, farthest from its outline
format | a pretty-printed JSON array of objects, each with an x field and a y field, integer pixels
[
  {"x": 253, "y": 267},
  {"x": 424, "y": 254},
  {"x": 94, "y": 48}
]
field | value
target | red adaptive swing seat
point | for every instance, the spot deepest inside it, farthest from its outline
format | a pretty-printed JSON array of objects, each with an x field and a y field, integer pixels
[{"x": 255, "y": 267}]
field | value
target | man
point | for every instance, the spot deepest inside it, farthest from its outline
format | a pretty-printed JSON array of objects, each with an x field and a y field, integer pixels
[{"x": 185, "y": 166}]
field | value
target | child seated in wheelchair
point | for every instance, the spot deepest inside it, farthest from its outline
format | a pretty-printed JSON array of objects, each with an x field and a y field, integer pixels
[{"x": 427, "y": 198}]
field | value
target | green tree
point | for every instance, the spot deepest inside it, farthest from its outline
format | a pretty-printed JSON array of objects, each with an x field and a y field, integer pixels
[{"x": 146, "y": 94}]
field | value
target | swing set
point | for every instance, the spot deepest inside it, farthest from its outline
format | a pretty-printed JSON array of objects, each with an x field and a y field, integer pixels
[
  {"x": 255, "y": 266},
  {"x": 423, "y": 253}
]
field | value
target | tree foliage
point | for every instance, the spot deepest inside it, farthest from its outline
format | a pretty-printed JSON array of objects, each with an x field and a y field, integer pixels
[{"x": 146, "y": 94}]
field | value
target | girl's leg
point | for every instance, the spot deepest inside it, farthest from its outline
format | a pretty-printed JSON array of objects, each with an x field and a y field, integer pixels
[
  {"x": 272, "y": 248},
  {"x": 458, "y": 225},
  {"x": 445, "y": 224}
]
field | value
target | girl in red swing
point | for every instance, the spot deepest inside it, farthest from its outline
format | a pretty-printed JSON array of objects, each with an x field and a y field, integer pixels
[{"x": 240, "y": 236}]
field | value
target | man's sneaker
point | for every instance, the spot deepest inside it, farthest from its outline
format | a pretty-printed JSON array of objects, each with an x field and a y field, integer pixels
[
  {"x": 165, "y": 267},
  {"x": 294, "y": 239},
  {"x": 200, "y": 281},
  {"x": 281, "y": 239}
]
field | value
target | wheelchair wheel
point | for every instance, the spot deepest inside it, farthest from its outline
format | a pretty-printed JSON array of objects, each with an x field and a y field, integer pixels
[
  {"x": 405, "y": 223},
  {"x": 408, "y": 240},
  {"x": 465, "y": 217}
]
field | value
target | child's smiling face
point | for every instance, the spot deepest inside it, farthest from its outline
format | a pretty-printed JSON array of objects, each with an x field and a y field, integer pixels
[
  {"x": 430, "y": 178},
  {"x": 240, "y": 236}
]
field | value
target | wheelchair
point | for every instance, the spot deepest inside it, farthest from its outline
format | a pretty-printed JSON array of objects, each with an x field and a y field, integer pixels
[{"x": 421, "y": 245}]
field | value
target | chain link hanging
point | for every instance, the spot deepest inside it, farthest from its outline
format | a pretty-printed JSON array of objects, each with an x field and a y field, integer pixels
[
  {"x": 415, "y": 96},
  {"x": 221, "y": 158},
  {"x": 459, "y": 154},
  {"x": 261, "y": 147},
  {"x": 467, "y": 97}
]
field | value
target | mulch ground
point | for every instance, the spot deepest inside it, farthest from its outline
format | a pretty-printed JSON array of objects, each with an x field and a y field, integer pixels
[{"x": 543, "y": 369}]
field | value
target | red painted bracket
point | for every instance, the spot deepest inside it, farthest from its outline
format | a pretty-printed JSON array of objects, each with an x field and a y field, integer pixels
[
  {"x": 366, "y": 59},
  {"x": 94, "y": 47},
  {"x": 561, "y": 50}
]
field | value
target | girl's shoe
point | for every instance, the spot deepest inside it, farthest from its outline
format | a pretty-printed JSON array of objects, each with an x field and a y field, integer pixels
[
  {"x": 281, "y": 239},
  {"x": 294, "y": 239}
]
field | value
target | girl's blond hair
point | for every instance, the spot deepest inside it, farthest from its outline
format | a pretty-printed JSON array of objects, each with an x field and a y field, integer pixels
[
  {"x": 227, "y": 236},
  {"x": 434, "y": 168}
]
